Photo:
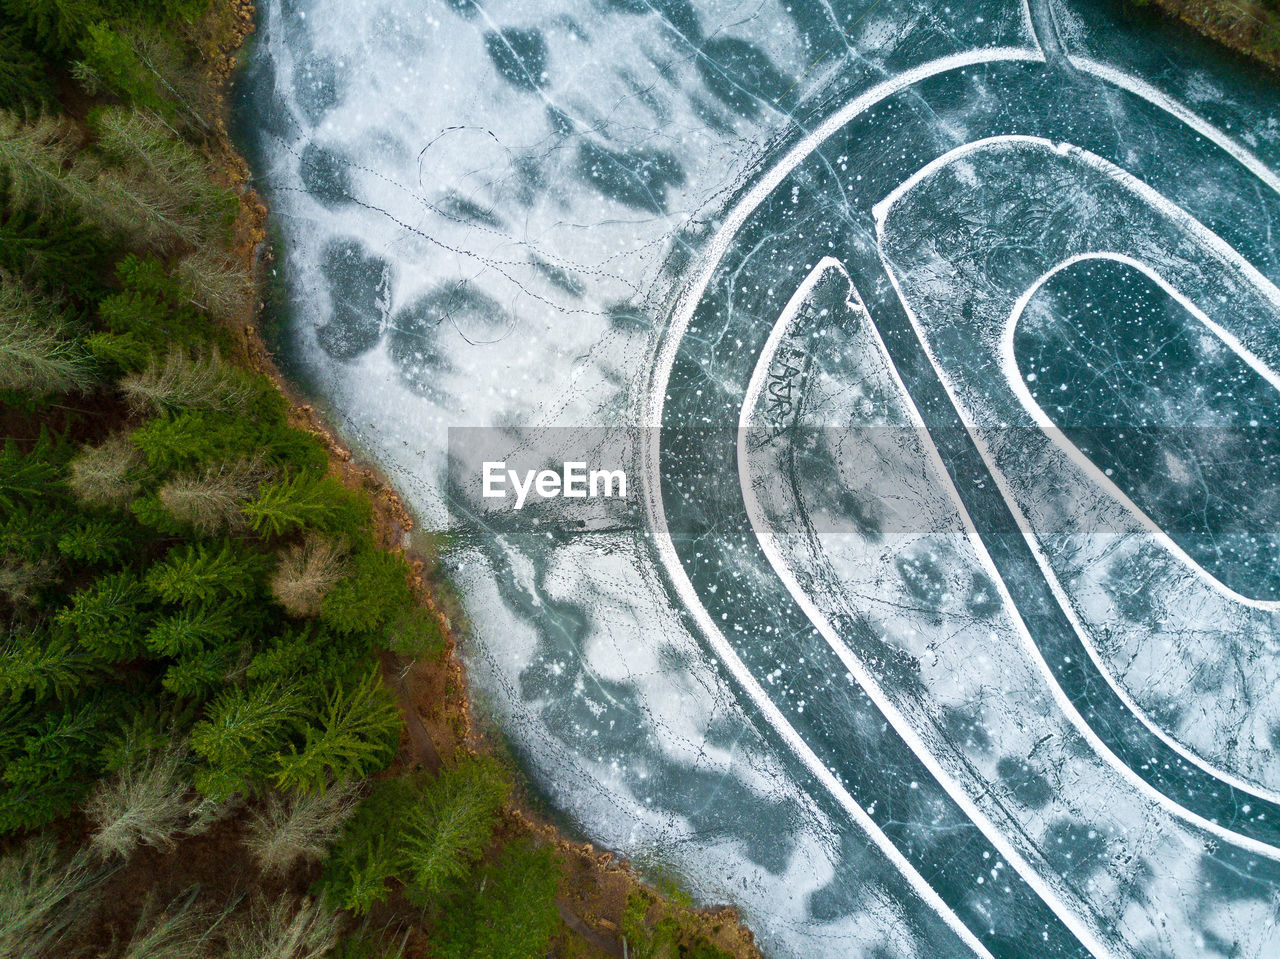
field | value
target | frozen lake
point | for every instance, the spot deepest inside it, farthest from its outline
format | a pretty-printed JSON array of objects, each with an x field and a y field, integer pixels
[{"x": 940, "y": 348}]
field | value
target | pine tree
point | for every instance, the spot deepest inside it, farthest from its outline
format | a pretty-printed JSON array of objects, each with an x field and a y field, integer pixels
[
  {"x": 199, "y": 573},
  {"x": 356, "y": 735},
  {"x": 237, "y": 734},
  {"x": 39, "y": 665},
  {"x": 52, "y": 250},
  {"x": 37, "y": 353},
  {"x": 108, "y": 616},
  {"x": 96, "y": 540},
  {"x": 371, "y": 597},
  {"x": 453, "y": 823},
  {"x": 510, "y": 911},
  {"x": 193, "y": 628},
  {"x": 27, "y": 475},
  {"x": 23, "y": 79},
  {"x": 289, "y": 504}
]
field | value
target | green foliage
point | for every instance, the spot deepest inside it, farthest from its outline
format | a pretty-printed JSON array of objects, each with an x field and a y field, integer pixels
[
  {"x": 54, "y": 25},
  {"x": 302, "y": 501},
  {"x": 237, "y": 737},
  {"x": 108, "y": 617},
  {"x": 453, "y": 823},
  {"x": 53, "y": 250},
  {"x": 23, "y": 78},
  {"x": 194, "y": 627},
  {"x": 509, "y": 911},
  {"x": 113, "y": 61},
  {"x": 39, "y": 665},
  {"x": 425, "y": 832},
  {"x": 58, "y": 752},
  {"x": 415, "y": 633},
  {"x": 27, "y": 476},
  {"x": 202, "y": 438},
  {"x": 199, "y": 572},
  {"x": 356, "y": 735},
  {"x": 97, "y": 539},
  {"x": 38, "y": 352},
  {"x": 665, "y": 939},
  {"x": 376, "y": 592}
]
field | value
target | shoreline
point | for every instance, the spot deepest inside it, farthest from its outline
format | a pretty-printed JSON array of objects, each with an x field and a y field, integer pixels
[{"x": 611, "y": 877}]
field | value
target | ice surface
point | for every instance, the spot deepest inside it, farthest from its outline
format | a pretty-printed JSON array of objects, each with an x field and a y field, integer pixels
[{"x": 940, "y": 344}]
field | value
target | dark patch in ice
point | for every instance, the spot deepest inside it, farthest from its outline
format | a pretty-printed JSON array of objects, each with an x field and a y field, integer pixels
[
  {"x": 520, "y": 56},
  {"x": 741, "y": 75},
  {"x": 1024, "y": 781},
  {"x": 454, "y": 308},
  {"x": 465, "y": 8},
  {"x": 459, "y": 207},
  {"x": 325, "y": 176},
  {"x": 561, "y": 278},
  {"x": 678, "y": 14},
  {"x": 628, "y": 317},
  {"x": 1074, "y": 849},
  {"x": 1183, "y": 426},
  {"x": 316, "y": 87},
  {"x": 638, "y": 178},
  {"x": 358, "y": 283}
]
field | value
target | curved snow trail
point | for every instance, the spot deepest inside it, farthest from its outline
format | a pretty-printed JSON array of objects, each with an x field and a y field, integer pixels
[{"x": 682, "y": 552}]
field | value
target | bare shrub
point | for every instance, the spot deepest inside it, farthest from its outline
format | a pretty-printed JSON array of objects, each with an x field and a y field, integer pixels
[
  {"x": 183, "y": 382},
  {"x": 180, "y": 930},
  {"x": 210, "y": 500},
  {"x": 107, "y": 475},
  {"x": 306, "y": 572},
  {"x": 294, "y": 827},
  {"x": 285, "y": 929},
  {"x": 146, "y": 803},
  {"x": 38, "y": 895}
]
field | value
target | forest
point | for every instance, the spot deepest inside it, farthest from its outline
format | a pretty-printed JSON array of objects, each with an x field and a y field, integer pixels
[{"x": 200, "y": 751}]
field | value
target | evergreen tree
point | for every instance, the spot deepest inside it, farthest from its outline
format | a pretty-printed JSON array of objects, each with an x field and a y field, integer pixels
[
  {"x": 201, "y": 573},
  {"x": 509, "y": 911},
  {"x": 371, "y": 597},
  {"x": 37, "y": 353},
  {"x": 289, "y": 504},
  {"x": 38, "y": 665},
  {"x": 238, "y": 734},
  {"x": 23, "y": 78},
  {"x": 454, "y": 821},
  {"x": 356, "y": 735},
  {"x": 108, "y": 616}
]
